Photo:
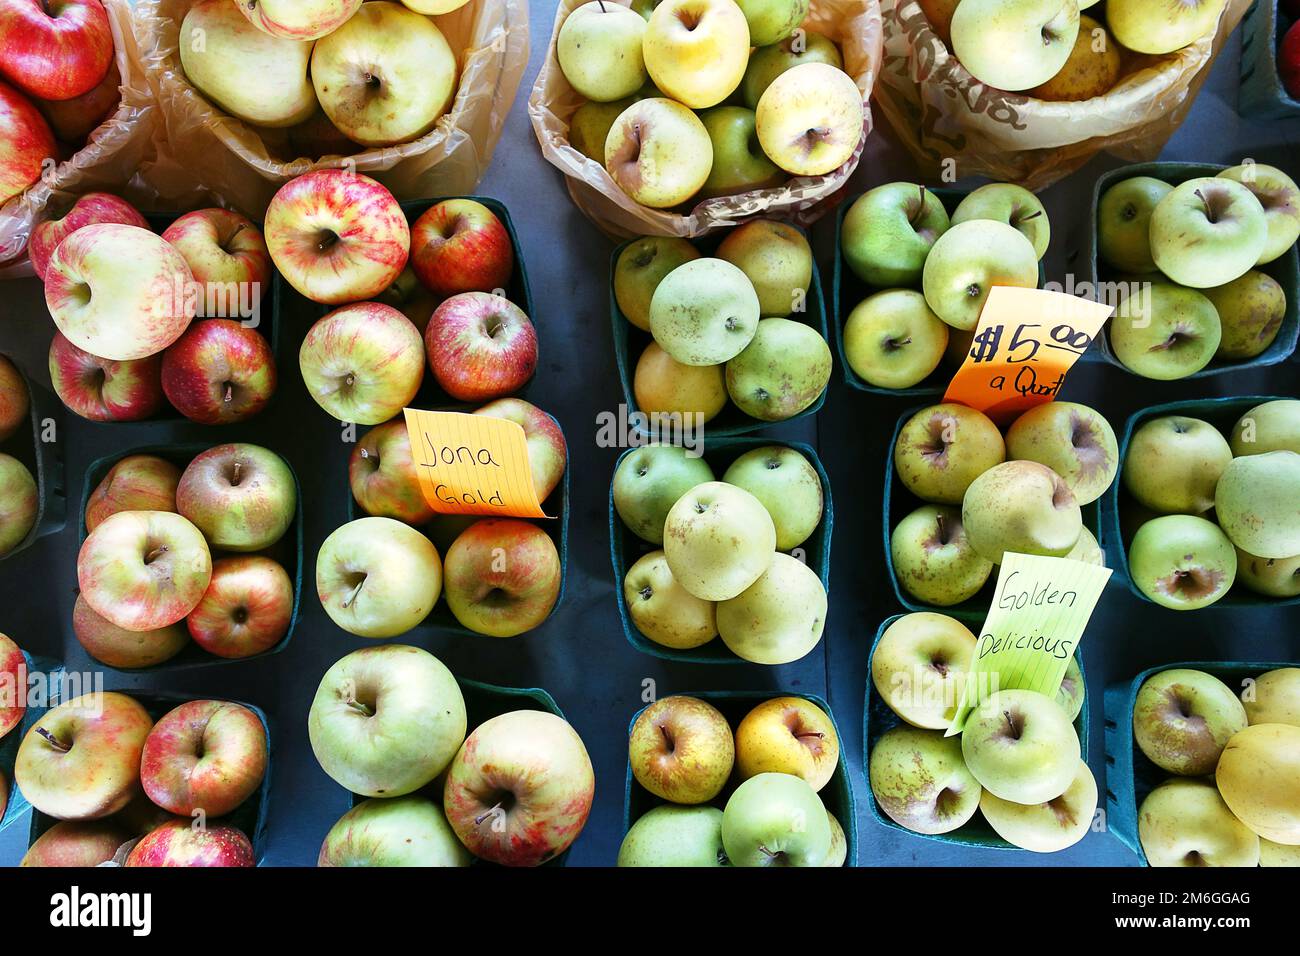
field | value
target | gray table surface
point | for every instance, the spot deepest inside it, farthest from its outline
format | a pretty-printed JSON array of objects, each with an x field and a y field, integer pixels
[{"x": 580, "y": 655}]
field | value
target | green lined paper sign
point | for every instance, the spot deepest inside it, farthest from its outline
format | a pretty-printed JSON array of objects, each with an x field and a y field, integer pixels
[{"x": 1041, "y": 607}]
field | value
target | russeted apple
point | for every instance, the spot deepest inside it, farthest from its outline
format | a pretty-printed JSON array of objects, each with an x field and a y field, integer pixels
[
  {"x": 943, "y": 448},
  {"x": 781, "y": 372},
  {"x": 1183, "y": 718},
  {"x": 641, "y": 266},
  {"x": 671, "y": 835},
  {"x": 704, "y": 312},
  {"x": 919, "y": 667},
  {"x": 1184, "y": 822},
  {"x": 399, "y": 831},
  {"x": 207, "y": 755},
  {"x": 681, "y": 749},
  {"x": 1093, "y": 68},
  {"x": 1251, "y": 310},
  {"x": 777, "y": 260},
  {"x": 178, "y": 843},
  {"x": 788, "y": 735}
]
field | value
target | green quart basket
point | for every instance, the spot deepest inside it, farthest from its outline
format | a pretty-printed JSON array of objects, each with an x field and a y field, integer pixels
[
  {"x": 1262, "y": 94},
  {"x": 44, "y": 459}
]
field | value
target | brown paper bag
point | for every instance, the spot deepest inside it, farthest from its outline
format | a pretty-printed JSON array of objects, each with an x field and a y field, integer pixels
[
  {"x": 205, "y": 155},
  {"x": 943, "y": 114},
  {"x": 855, "y": 27},
  {"x": 109, "y": 161}
]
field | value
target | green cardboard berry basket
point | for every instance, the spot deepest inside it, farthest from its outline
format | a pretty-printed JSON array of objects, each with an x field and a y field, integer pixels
[
  {"x": 1262, "y": 94},
  {"x": 1222, "y": 413},
  {"x": 44, "y": 459},
  {"x": 1130, "y": 776},
  {"x": 288, "y": 551},
  {"x": 625, "y": 548},
  {"x": 630, "y": 342},
  {"x": 837, "y": 795},
  {"x": 1286, "y": 270},
  {"x": 482, "y": 703},
  {"x": 898, "y": 498},
  {"x": 848, "y": 290},
  {"x": 9, "y": 744},
  {"x": 878, "y": 718}
]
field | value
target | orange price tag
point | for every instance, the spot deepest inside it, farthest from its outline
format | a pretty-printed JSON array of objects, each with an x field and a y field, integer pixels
[
  {"x": 1025, "y": 342},
  {"x": 472, "y": 464}
]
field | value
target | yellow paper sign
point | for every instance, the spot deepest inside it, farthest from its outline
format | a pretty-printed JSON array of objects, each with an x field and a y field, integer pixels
[
  {"x": 1025, "y": 342},
  {"x": 472, "y": 464},
  {"x": 1041, "y": 607}
]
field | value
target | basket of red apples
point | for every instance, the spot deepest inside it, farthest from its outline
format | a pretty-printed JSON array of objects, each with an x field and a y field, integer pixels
[
  {"x": 1204, "y": 764},
  {"x": 389, "y": 724},
  {"x": 190, "y": 556},
  {"x": 1270, "y": 60},
  {"x": 32, "y": 497}
]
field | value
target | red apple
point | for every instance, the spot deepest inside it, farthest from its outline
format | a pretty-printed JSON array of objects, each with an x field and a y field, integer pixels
[
  {"x": 501, "y": 577},
  {"x": 1288, "y": 61},
  {"x": 117, "y": 647},
  {"x": 25, "y": 143},
  {"x": 246, "y": 610},
  {"x": 242, "y": 497},
  {"x": 362, "y": 363},
  {"x": 219, "y": 371},
  {"x": 72, "y": 121},
  {"x": 458, "y": 245},
  {"x": 182, "y": 843},
  {"x": 54, "y": 49},
  {"x": 78, "y": 843},
  {"x": 409, "y": 296},
  {"x": 13, "y": 686},
  {"x": 547, "y": 450},
  {"x": 88, "y": 210},
  {"x": 229, "y": 259},
  {"x": 480, "y": 346},
  {"x": 382, "y": 475},
  {"x": 207, "y": 755},
  {"x": 101, "y": 390},
  {"x": 134, "y": 483},
  {"x": 15, "y": 402}
]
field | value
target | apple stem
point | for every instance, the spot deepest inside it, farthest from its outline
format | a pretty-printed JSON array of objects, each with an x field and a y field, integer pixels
[
  {"x": 155, "y": 554},
  {"x": 1011, "y": 724},
  {"x": 230, "y": 393},
  {"x": 360, "y": 707},
  {"x": 602, "y": 6},
  {"x": 231, "y": 238},
  {"x": 766, "y": 852},
  {"x": 942, "y": 522},
  {"x": 355, "y": 592},
  {"x": 478, "y": 820},
  {"x": 818, "y": 734},
  {"x": 1031, "y": 216},
  {"x": 54, "y": 741},
  {"x": 920, "y": 209},
  {"x": 1209, "y": 212},
  {"x": 235, "y": 471}
]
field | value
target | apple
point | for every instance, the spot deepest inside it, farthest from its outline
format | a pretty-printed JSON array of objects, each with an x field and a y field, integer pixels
[
  {"x": 648, "y": 482},
  {"x": 242, "y": 497},
  {"x": 502, "y": 577},
  {"x": 1160, "y": 29},
  {"x": 1273, "y": 426},
  {"x": 15, "y": 400},
  {"x": 1014, "y": 46},
  {"x": 1124, "y": 223},
  {"x": 480, "y": 346},
  {"x": 408, "y": 295},
  {"x": 1273, "y": 698},
  {"x": 719, "y": 539},
  {"x": 1277, "y": 854},
  {"x": 788, "y": 735},
  {"x": 204, "y": 755},
  {"x": 675, "y": 836},
  {"x": 399, "y": 831},
  {"x": 1073, "y": 690},
  {"x": 664, "y": 388},
  {"x": 377, "y": 577},
  {"x": 1075, "y": 441},
  {"x": 658, "y": 151},
  {"x": 13, "y": 678},
  {"x": 519, "y": 790},
  {"x": 246, "y": 609},
  {"x": 386, "y": 720},
  {"x": 548, "y": 454},
  {"x": 1271, "y": 577},
  {"x": 1259, "y": 779},
  {"x": 363, "y": 362},
  {"x": 1021, "y": 506},
  {"x": 180, "y": 843},
  {"x": 1166, "y": 333},
  {"x": 1182, "y": 562},
  {"x": 126, "y": 650},
  {"x": 889, "y": 231},
  {"x": 218, "y": 372},
  {"x": 640, "y": 267},
  {"x": 739, "y": 163},
  {"x": 839, "y": 851},
  {"x": 788, "y": 487},
  {"x": 1280, "y": 196},
  {"x": 810, "y": 119},
  {"x": 696, "y": 50},
  {"x": 1094, "y": 67},
  {"x": 81, "y": 760},
  {"x": 381, "y": 473},
  {"x": 1050, "y": 826},
  {"x": 919, "y": 667},
  {"x": 300, "y": 19},
  {"x": 1186, "y": 823},
  {"x": 599, "y": 50},
  {"x": 1010, "y": 204},
  {"x": 100, "y": 390},
  {"x": 79, "y": 843},
  {"x": 943, "y": 448},
  {"x": 777, "y": 260},
  {"x": 1021, "y": 747},
  {"x": 220, "y": 51},
  {"x": 934, "y": 559},
  {"x": 1288, "y": 61},
  {"x": 662, "y": 609},
  {"x": 775, "y": 819},
  {"x": 1183, "y": 718},
  {"x": 144, "y": 570},
  {"x": 777, "y": 619},
  {"x": 337, "y": 236},
  {"x": 1208, "y": 231},
  {"x": 226, "y": 252},
  {"x": 134, "y": 483},
  {"x": 681, "y": 749},
  {"x": 119, "y": 292},
  {"x": 459, "y": 245},
  {"x": 771, "y": 21},
  {"x": 590, "y": 123},
  {"x": 1257, "y": 503},
  {"x": 19, "y": 503},
  {"x": 969, "y": 260},
  {"x": 939, "y": 13},
  {"x": 55, "y": 51},
  {"x": 89, "y": 209},
  {"x": 1251, "y": 310},
  {"x": 768, "y": 62},
  {"x": 918, "y": 777},
  {"x": 74, "y": 120},
  {"x": 704, "y": 312},
  {"x": 893, "y": 340},
  {"x": 1173, "y": 464},
  {"x": 26, "y": 143},
  {"x": 781, "y": 372}
]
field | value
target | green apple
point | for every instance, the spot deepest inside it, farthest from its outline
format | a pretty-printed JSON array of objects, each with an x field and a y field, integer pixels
[
  {"x": 599, "y": 51},
  {"x": 1274, "y": 698},
  {"x": 1259, "y": 779},
  {"x": 777, "y": 619},
  {"x": 1166, "y": 332},
  {"x": 1271, "y": 577},
  {"x": 20, "y": 503},
  {"x": 719, "y": 539},
  {"x": 645, "y": 8},
  {"x": 1173, "y": 464},
  {"x": 401, "y": 831},
  {"x": 648, "y": 482},
  {"x": 919, "y": 667},
  {"x": 1013, "y": 205},
  {"x": 919, "y": 778},
  {"x": 1183, "y": 718},
  {"x": 893, "y": 340},
  {"x": 1014, "y": 44},
  {"x": 775, "y": 819},
  {"x": 970, "y": 259},
  {"x": 1257, "y": 502},
  {"x": 378, "y": 577},
  {"x": 1208, "y": 231},
  {"x": 768, "y": 62},
  {"x": 934, "y": 559},
  {"x": 839, "y": 851},
  {"x": 1050, "y": 826},
  {"x": 739, "y": 163},
  {"x": 943, "y": 448},
  {"x": 681, "y": 749},
  {"x": 788, "y": 486},
  {"x": 1186, "y": 823},
  {"x": 782, "y": 371},
  {"x": 704, "y": 312},
  {"x": 1021, "y": 506},
  {"x": 675, "y": 836},
  {"x": 1273, "y": 426},
  {"x": 1278, "y": 194},
  {"x": 590, "y": 124},
  {"x": 1251, "y": 310},
  {"x": 641, "y": 266},
  {"x": 771, "y": 21},
  {"x": 1021, "y": 747},
  {"x": 888, "y": 232},
  {"x": 1087, "y": 550},
  {"x": 662, "y": 609},
  {"x": 1124, "y": 223},
  {"x": 658, "y": 152},
  {"x": 667, "y": 391},
  {"x": 777, "y": 259},
  {"x": 1072, "y": 691},
  {"x": 1075, "y": 441},
  {"x": 1182, "y": 562}
]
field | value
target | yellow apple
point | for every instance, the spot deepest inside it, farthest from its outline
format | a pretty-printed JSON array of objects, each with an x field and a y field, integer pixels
[
  {"x": 777, "y": 619},
  {"x": 696, "y": 51},
  {"x": 1094, "y": 67},
  {"x": 1274, "y": 698},
  {"x": 1148, "y": 27},
  {"x": 810, "y": 119},
  {"x": 1259, "y": 778},
  {"x": 658, "y": 152},
  {"x": 662, "y": 385},
  {"x": 1015, "y": 44},
  {"x": 788, "y": 735},
  {"x": 1184, "y": 822},
  {"x": 662, "y": 609}
]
